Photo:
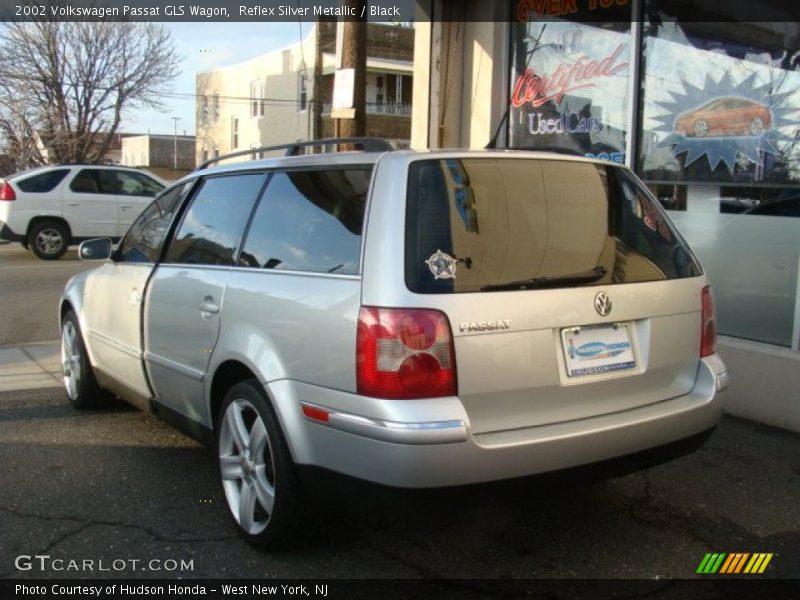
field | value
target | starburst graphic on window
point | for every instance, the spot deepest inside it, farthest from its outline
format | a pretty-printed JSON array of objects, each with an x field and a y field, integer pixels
[{"x": 725, "y": 122}]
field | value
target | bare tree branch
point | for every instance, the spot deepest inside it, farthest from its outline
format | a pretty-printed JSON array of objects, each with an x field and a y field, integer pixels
[{"x": 66, "y": 86}]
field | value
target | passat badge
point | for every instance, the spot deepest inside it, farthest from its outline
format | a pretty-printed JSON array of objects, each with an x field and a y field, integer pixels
[{"x": 443, "y": 266}]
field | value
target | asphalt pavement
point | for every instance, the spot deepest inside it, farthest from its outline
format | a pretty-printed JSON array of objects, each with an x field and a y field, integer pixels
[
  {"x": 117, "y": 484},
  {"x": 30, "y": 289},
  {"x": 134, "y": 498}
]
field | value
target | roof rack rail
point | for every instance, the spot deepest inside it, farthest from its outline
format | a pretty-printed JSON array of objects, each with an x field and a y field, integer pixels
[{"x": 293, "y": 149}]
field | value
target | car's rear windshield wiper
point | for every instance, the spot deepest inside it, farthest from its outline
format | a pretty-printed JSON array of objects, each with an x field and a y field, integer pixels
[{"x": 549, "y": 282}]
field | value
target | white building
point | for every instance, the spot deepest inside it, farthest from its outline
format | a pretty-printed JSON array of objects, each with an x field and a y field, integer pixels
[{"x": 272, "y": 98}]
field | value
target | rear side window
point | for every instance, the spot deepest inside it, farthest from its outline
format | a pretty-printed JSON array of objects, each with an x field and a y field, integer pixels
[
  {"x": 44, "y": 182},
  {"x": 309, "y": 221},
  {"x": 487, "y": 224},
  {"x": 112, "y": 181},
  {"x": 136, "y": 184},
  {"x": 87, "y": 181},
  {"x": 212, "y": 227}
]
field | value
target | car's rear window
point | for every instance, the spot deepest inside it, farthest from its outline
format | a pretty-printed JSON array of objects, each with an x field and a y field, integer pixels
[
  {"x": 43, "y": 182},
  {"x": 485, "y": 224}
]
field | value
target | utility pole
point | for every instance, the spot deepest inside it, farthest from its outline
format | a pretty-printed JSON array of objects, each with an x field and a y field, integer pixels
[
  {"x": 354, "y": 56},
  {"x": 175, "y": 145}
]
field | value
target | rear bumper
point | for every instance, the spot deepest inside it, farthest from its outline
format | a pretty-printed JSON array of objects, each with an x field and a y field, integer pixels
[
  {"x": 440, "y": 451},
  {"x": 6, "y": 233}
]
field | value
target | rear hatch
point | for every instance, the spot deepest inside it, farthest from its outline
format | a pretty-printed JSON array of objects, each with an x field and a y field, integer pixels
[{"x": 569, "y": 292}]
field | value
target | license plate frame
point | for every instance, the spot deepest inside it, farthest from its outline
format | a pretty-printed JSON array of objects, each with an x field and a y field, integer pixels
[{"x": 598, "y": 349}]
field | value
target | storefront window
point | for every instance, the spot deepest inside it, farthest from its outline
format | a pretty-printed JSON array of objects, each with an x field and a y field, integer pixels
[
  {"x": 569, "y": 80},
  {"x": 720, "y": 106},
  {"x": 719, "y": 103}
]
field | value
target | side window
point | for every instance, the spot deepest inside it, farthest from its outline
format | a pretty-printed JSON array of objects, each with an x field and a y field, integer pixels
[
  {"x": 44, "y": 182},
  {"x": 213, "y": 226},
  {"x": 86, "y": 182},
  {"x": 137, "y": 184},
  {"x": 144, "y": 239},
  {"x": 309, "y": 221}
]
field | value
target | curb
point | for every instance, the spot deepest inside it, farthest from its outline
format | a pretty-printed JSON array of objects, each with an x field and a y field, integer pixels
[{"x": 36, "y": 365}]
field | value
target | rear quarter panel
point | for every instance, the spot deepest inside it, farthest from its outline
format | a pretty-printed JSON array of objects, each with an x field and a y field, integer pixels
[
  {"x": 293, "y": 326},
  {"x": 29, "y": 205}
]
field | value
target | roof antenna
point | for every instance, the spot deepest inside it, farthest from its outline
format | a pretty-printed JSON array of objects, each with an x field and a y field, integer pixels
[{"x": 493, "y": 142}]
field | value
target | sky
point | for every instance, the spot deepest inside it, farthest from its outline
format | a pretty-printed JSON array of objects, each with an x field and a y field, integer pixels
[{"x": 205, "y": 46}]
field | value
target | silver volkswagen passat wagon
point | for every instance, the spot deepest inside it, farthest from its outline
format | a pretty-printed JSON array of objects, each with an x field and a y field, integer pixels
[{"x": 413, "y": 319}]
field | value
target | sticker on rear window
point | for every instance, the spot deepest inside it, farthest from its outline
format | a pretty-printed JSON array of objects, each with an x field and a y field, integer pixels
[{"x": 443, "y": 266}]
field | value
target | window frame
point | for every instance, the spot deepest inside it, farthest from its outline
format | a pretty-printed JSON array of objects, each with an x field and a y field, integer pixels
[
  {"x": 257, "y": 100},
  {"x": 50, "y": 172},
  {"x": 189, "y": 200},
  {"x": 188, "y": 193},
  {"x": 302, "y": 91},
  {"x": 272, "y": 171},
  {"x": 93, "y": 171},
  {"x": 134, "y": 175}
]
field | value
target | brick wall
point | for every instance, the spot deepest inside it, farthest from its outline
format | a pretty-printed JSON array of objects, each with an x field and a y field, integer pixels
[
  {"x": 162, "y": 153},
  {"x": 379, "y": 126},
  {"x": 383, "y": 41}
]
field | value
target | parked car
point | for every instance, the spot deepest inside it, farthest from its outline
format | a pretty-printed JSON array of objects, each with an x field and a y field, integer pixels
[
  {"x": 50, "y": 208},
  {"x": 728, "y": 115},
  {"x": 752, "y": 258},
  {"x": 411, "y": 319},
  {"x": 783, "y": 206}
]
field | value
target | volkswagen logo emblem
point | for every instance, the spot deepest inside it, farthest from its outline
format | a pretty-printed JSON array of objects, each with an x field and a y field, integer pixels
[{"x": 602, "y": 304}]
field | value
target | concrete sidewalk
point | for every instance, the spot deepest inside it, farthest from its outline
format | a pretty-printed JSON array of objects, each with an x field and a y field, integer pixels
[{"x": 30, "y": 366}]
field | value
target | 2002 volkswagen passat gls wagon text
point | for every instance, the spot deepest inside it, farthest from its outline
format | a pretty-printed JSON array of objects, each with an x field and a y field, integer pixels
[{"x": 414, "y": 319}]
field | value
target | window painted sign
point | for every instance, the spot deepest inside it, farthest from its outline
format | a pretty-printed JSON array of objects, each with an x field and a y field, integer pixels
[{"x": 569, "y": 87}]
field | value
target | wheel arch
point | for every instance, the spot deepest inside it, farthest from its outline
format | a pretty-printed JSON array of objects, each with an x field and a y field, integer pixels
[
  {"x": 42, "y": 218},
  {"x": 233, "y": 370},
  {"x": 72, "y": 300}
]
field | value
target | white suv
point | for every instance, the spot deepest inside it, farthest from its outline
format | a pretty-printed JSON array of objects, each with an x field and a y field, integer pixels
[
  {"x": 413, "y": 319},
  {"x": 50, "y": 208}
]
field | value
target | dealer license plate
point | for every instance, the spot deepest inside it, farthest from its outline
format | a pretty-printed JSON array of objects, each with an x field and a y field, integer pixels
[{"x": 597, "y": 349}]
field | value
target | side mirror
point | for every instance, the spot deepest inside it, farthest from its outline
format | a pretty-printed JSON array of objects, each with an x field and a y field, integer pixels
[{"x": 97, "y": 249}]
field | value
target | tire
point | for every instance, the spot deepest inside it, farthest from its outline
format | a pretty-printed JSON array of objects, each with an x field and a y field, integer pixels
[
  {"x": 79, "y": 380},
  {"x": 700, "y": 128},
  {"x": 48, "y": 240},
  {"x": 272, "y": 514},
  {"x": 756, "y": 127}
]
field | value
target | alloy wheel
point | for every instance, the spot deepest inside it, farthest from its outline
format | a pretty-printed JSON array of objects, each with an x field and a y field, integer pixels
[
  {"x": 49, "y": 241},
  {"x": 70, "y": 359},
  {"x": 247, "y": 466}
]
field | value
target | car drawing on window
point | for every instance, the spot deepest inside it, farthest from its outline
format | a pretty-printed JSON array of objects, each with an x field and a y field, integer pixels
[{"x": 725, "y": 116}]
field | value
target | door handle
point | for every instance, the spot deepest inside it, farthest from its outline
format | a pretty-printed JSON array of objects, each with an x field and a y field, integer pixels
[
  {"x": 73, "y": 203},
  {"x": 135, "y": 297},
  {"x": 124, "y": 206},
  {"x": 208, "y": 307}
]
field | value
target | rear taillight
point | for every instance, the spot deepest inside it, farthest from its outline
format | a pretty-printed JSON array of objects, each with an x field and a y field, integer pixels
[
  {"x": 708, "y": 339},
  {"x": 6, "y": 191},
  {"x": 404, "y": 353}
]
